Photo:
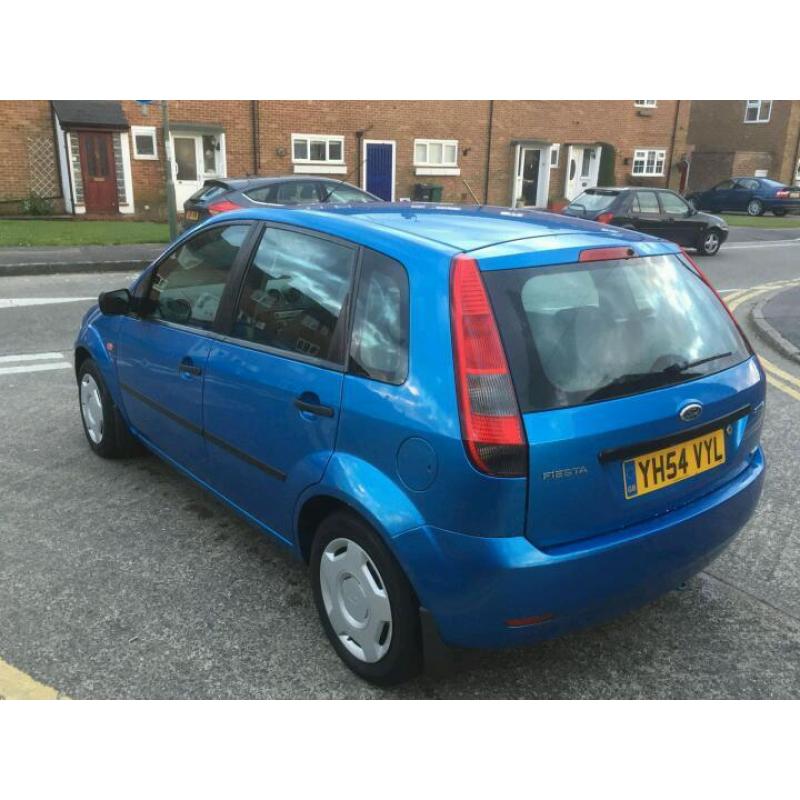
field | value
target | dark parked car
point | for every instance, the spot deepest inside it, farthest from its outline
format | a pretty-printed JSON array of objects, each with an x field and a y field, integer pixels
[
  {"x": 658, "y": 212},
  {"x": 220, "y": 195},
  {"x": 753, "y": 195}
]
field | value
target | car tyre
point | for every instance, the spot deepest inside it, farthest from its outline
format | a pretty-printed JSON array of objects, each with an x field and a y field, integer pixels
[
  {"x": 105, "y": 429},
  {"x": 367, "y": 607},
  {"x": 710, "y": 242},
  {"x": 755, "y": 208},
  {"x": 779, "y": 212}
]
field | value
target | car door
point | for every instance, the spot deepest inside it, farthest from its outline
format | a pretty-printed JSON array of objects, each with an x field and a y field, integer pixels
[
  {"x": 273, "y": 387},
  {"x": 162, "y": 350},
  {"x": 646, "y": 213},
  {"x": 742, "y": 193},
  {"x": 720, "y": 197},
  {"x": 680, "y": 225}
]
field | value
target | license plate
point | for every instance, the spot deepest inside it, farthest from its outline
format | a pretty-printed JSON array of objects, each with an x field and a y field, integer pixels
[
  {"x": 794, "y": 195},
  {"x": 192, "y": 215},
  {"x": 652, "y": 471}
]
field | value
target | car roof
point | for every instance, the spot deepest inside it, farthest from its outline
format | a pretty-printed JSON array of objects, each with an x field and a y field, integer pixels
[
  {"x": 492, "y": 230},
  {"x": 238, "y": 184}
]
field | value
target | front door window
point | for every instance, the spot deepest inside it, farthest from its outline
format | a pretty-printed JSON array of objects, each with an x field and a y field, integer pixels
[
  {"x": 185, "y": 158},
  {"x": 529, "y": 177}
]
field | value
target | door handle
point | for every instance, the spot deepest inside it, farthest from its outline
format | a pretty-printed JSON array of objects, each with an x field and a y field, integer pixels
[
  {"x": 187, "y": 367},
  {"x": 312, "y": 408}
]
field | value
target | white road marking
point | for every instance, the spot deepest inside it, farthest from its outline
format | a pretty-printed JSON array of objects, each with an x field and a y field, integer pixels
[
  {"x": 21, "y": 302},
  {"x": 760, "y": 245},
  {"x": 33, "y": 357},
  {"x": 35, "y": 367}
]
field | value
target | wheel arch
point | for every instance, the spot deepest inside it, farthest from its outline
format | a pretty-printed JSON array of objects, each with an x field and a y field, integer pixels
[{"x": 352, "y": 484}]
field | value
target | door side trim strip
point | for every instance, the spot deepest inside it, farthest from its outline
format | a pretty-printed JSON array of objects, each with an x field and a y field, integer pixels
[{"x": 273, "y": 472}]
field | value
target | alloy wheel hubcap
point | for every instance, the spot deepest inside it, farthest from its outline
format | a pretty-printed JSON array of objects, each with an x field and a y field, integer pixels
[
  {"x": 754, "y": 207},
  {"x": 355, "y": 600},
  {"x": 712, "y": 243},
  {"x": 92, "y": 408}
]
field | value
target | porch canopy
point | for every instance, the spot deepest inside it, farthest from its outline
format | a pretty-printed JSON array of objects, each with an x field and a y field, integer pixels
[{"x": 106, "y": 114}]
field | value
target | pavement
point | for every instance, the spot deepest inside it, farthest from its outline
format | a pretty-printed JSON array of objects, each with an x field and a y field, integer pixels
[
  {"x": 778, "y": 322},
  {"x": 126, "y": 580},
  {"x": 88, "y": 258}
]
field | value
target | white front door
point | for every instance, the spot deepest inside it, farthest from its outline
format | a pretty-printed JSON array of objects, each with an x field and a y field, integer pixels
[
  {"x": 583, "y": 169},
  {"x": 532, "y": 177},
  {"x": 196, "y": 157}
]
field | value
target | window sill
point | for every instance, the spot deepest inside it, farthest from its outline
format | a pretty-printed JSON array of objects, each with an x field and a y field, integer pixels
[
  {"x": 437, "y": 170},
  {"x": 320, "y": 169},
  {"x": 144, "y": 158}
]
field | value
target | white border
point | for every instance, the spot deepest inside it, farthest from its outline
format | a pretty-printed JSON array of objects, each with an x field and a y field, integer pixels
[
  {"x": 144, "y": 130},
  {"x": 757, "y": 121},
  {"x": 327, "y": 138}
]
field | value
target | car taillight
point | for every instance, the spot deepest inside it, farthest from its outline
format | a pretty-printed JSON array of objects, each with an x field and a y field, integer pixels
[
  {"x": 605, "y": 217},
  {"x": 491, "y": 426},
  {"x": 222, "y": 206},
  {"x": 703, "y": 277},
  {"x": 782, "y": 193}
]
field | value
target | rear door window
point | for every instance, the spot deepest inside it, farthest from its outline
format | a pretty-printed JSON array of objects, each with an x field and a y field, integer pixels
[
  {"x": 379, "y": 344},
  {"x": 264, "y": 194},
  {"x": 295, "y": 294},
  {"x": 295, "y": 192},
  {"x": 593, "y": 201},
  {"x": 646, "y": 203},
  {"x": 587, "y": 332}
]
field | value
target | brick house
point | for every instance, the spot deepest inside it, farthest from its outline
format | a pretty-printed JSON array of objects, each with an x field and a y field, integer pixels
[
  {"x": 107, "y": 157},
  {"x": 744, "y": 137}
]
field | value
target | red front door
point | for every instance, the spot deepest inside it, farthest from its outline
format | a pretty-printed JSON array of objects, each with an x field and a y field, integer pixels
[{"x": 99, "y": 175}]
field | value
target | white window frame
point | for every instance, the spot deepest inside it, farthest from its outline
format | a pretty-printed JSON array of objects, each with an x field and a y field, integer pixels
[
  {"x": 555, "y": 155},
  {"x": 757, "y": 105},
  {"x": 641, "y": 155},
  {"x": 797, "y": 173},
  {"x": 317, "y": 137},
  {"x": 144, "y": 130},
  {"x": 427, "y": 163},
  {"x": 645, "y": 103}
]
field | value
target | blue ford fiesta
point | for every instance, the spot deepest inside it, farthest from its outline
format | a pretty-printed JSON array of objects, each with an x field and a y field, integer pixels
[{"x": 477, "y": 426}]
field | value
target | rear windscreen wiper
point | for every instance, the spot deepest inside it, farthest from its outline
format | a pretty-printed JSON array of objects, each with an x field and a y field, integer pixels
[{"x": 683, "y": 366}]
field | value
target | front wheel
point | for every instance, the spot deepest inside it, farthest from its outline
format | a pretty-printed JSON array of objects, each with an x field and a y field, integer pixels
[
  {"x": 709, "y": 243},
  {"x": 105, "y": 429},
  {"x": 365, "y": 602},
  {"x": 755, "y": 208}
]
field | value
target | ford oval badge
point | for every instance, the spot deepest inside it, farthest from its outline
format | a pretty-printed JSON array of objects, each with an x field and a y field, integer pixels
[{"x": 691, "y": 411}]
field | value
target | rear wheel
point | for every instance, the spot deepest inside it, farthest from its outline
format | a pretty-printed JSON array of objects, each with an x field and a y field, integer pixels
[
  {"x": 709, "y": 243},
  {"x": 779, "y": 212},
  {"x": 105, "y": 429},
  {"x": 365, "y": 602},
  {"x": 755, "y": 208}
]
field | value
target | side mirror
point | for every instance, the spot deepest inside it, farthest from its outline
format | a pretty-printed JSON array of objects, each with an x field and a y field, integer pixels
[{"x": 115, "y": 302}]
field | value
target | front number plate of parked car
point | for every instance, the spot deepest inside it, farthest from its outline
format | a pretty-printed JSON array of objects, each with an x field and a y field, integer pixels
[
  {"x": 653, "y": 471},
  {"x": 794, "y": 195},
  {"x": 192, "y": 215}
]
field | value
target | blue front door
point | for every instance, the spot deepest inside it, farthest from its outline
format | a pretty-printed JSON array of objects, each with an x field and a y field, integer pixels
[{"x": 380, "y": 170}]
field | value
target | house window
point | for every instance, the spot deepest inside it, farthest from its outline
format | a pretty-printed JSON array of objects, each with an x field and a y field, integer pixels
[
  {"x": 645, "y": 103},
  {"x": 144, "y": 142},
  {"x": 797, "y": 173},
  {"x": 757, "y": 110},
  {"x": 648, "y": 162},
  {"x": 555, "y": 150},
  {"x": 317, "y": 149},
  {"x": 435, "y": 153}
]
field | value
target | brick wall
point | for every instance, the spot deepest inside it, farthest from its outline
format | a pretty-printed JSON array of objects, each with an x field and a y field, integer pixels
[
  {"x": 399, "y": 121},
  {"x": 616, "y": 123},
  {"x": 718, "y": 126},
  {"x": 28, "y": 162}
]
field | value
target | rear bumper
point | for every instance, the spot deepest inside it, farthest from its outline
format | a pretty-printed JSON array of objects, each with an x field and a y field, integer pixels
[
  {"x": 473, "y": 585},
  {"x": 785, "y": 205}
]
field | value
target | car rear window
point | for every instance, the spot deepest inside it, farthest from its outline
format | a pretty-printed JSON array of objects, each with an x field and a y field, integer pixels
[
  {"x": 208, "y": 193},
  {"x": 593, "y": 201},
  {"x": 581, "y": 333}
]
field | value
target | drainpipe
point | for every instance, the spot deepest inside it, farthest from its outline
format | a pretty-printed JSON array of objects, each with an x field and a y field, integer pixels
[
  {"x": 488, "y": 153},
  {"x": 672, "y": 143},
  {"x": 256, "y": 137}
]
